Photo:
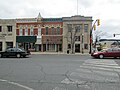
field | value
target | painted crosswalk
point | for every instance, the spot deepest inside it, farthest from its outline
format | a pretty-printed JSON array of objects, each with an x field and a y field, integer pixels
[{"x": 95, "y": 71}]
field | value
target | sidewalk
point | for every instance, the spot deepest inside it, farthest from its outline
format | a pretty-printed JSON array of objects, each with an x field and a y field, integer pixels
[{"x": 58, "y": 53}]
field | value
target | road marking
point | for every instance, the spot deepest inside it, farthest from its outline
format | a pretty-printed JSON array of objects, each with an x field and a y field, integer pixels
[
  {"x": 93, "y": 70},
  {"x": 17, "y": 84}
]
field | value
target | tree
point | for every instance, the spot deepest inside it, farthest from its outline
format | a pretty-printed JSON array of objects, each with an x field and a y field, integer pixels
[
  {"x": 71, "y": 36},
  {"x": 97, "y": 35}
]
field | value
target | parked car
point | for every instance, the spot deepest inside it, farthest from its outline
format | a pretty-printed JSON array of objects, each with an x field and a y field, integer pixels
[
  {"x": 110, "y": 52},
  {"x": 16, "y": 52}
]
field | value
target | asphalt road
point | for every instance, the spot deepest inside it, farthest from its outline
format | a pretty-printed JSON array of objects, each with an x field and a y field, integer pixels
[{"x": 59, "y": 72}]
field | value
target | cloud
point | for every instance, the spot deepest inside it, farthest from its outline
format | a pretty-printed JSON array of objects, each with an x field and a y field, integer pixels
[
  {"x": 30, "y": 8},
  {"x": 106, "y": 10},
  {"x": 85, "y": 3}
]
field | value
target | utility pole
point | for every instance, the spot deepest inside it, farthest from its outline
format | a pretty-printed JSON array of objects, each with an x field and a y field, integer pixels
[{"x": 93, "y": 27}]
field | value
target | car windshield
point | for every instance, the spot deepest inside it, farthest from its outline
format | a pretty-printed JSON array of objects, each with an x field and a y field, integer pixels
[
  {"x": 104, "y": 50},
  {"x": 19, "y": 49}
]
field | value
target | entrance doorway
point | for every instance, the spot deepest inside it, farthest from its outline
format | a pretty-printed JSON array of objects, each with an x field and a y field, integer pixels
[{"x": 77, "y": 48}]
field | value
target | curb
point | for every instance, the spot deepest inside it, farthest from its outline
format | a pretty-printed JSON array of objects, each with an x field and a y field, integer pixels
[{"x": 52, "y": 53}]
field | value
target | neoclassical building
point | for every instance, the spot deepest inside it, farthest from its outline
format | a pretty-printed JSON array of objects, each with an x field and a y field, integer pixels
[
  {"x": 76, "y": 34},
  {"x": 7, "y": 33}
]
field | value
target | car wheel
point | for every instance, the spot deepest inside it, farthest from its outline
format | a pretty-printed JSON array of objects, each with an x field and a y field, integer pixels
[
  {"x": 101, "y": 56},
  {"x": 18, "y": 55}
]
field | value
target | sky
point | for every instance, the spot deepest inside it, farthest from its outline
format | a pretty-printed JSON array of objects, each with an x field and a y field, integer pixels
[{"x": 105, "y": 10}]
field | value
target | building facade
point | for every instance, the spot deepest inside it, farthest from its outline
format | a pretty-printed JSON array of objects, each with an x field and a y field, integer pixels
[
  {"x": 39, "y": 34},
  {"x": 52, "y": 39},
  {"x": 7, "y": 33},
  {"x": 28, "y": 31},
  {"x": 76, "y": 34},
  {"x": 66, "y": 34}
]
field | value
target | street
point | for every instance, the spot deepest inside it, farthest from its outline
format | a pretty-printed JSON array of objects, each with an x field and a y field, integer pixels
[{"x": 59, "y": 72}]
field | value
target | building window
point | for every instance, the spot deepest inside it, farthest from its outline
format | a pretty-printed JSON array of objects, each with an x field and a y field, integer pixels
[
  {"x": 78, "y": 28},
  {"x": 31, "y": 31},
  {"x": 9, "y": 28},
  {"x": 77, "y": 38},
  {"x": 26, "y": 31},
  {"x": 86, "y": 27},
  {"x": 69, "y": 27},
  {"x": 0, "y": 28},
  {"x": 69, "y": 46},
  {"x": 58, "y": 30},
  {"x": 53, "y": 30},
  {"x": 21, "y": 33},
  {"x": 47, "y": 30},
  {"x": 39, "y": 31},
  {"x": 86, "y": 46}
]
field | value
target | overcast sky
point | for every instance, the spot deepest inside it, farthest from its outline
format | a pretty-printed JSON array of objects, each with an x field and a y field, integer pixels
[{"x": 106, "y": 10}]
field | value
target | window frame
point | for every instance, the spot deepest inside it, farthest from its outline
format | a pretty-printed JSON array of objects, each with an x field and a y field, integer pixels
[
  {"x": 53, "y": 30},
  {"x": 21, "y": 31},
  {"x": 77, "y": 38},
  {"x": 9, "y": 28},
  {"x": 47, "y": 30},
  {"x": 86, "y": 29},
  {"x": 31, "y": 31},
  {"x": 58, "y": 30},
  {"x": 26, "y": 31},
  {"x": 69, "y": 27}
]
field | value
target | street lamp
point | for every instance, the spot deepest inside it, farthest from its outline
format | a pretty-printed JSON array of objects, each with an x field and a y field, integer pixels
[{"x": 93, "y": 27}]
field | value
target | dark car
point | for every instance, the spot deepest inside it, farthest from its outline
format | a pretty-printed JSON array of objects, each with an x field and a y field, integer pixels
[
  {"x": 110, "y": 52},
  {"x": 17, "y": 52}
]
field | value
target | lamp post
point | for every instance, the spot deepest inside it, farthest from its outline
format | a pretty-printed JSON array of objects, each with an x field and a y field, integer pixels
[{"x": 93, "y": 27}]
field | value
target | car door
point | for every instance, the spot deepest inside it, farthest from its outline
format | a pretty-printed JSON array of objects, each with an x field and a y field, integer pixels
[
  {"x": 109, "y": 53},
  {"x": 117, "y": 52},
  {"x": 11, "y": 52},
  {"x": 7, "y": 52}
]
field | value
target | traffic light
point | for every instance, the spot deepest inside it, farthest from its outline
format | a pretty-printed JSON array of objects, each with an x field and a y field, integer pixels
[
  {"x": 114, "y": 35},
  {"x": 98, "y": 22},
  {"x": 94, "y": 27}
]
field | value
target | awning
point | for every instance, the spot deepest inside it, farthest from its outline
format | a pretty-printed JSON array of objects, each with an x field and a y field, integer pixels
[{"x": 26, "y": 39}]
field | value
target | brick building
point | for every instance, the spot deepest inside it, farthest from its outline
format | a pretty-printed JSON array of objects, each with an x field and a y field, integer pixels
[
  {"x": 52, "y": 34},
  {"x": 39, "y": 34}
]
